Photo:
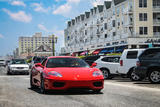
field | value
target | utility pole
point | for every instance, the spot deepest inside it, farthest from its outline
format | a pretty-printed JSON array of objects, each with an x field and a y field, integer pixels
[{"x": 53, "y": 41}]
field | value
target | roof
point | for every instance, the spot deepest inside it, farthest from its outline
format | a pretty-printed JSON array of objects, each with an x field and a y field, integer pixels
[
  {"x": 107, "y": 4},
  {"x": 61, "y": 57},
  {"x": 92, "y": 11},
  {"x": 43, "y": 48},
  {"x": 116, "y": 2},
  {"x": 100, "y": 8},
  {"x": 82, "y": 17},
  {"x": 87, "y": 14}
]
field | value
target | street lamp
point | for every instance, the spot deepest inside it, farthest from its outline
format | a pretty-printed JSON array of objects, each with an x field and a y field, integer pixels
[{"x": 53, "y": 41}]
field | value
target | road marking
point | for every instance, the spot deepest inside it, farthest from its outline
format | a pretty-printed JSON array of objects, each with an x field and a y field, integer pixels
[{"x": 132, "y": 86}]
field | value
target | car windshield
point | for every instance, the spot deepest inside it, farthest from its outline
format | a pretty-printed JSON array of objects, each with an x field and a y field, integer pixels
[
  {"x": 66, "y": 62},
  {"x": 38, "y": 60},
  {"x": 18, "y": 61}
]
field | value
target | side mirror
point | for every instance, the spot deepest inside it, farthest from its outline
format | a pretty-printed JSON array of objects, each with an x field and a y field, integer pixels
[
  {"x": 93, "y": 65},
  {"x": 39, "y": 65}
]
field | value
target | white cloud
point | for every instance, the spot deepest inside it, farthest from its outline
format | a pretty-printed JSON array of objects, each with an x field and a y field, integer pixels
[
  {"x": 1, "y": 36},
  {"x": 43, "y": 28},
  {"x": 63, "y": 9},
  {"x": 39, "y": 8},
  {"x": 66, "y": 8},
  {"x": 18, "y": 3},
  {"x": 19, "y": 16},
  {"x": 73, "y": 1}
]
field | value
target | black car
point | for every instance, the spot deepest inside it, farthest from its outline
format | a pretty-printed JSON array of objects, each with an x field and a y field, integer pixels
[
  {"x": 91, "y": 59},
  {"x": 148, "y": 65}
]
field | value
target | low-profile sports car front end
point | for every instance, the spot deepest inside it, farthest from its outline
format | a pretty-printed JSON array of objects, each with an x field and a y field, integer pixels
[{"x": 67, "y": 78}]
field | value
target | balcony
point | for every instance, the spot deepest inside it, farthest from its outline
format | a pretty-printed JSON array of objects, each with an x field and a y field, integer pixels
[
  {"x": 128, "y": 12},
  {"x": 156, "y": 34},
  {"x": 156, "y": 22},
  {"x": 156, "y": 8}
]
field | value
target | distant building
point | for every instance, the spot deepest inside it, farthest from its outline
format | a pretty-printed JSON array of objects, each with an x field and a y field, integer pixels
[
  {"x": 27, "y": 45},
  {"x": 116, "y": 25},
  {"x": 43, "y": 50}
]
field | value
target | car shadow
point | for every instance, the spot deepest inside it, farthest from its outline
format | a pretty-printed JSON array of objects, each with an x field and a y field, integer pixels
[{"x": 67, "y": 92}]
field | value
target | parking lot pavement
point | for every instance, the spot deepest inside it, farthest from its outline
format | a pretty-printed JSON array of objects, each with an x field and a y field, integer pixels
[
  {"x": 3, "y": 70},
  {"x": 127, "y": 82}
]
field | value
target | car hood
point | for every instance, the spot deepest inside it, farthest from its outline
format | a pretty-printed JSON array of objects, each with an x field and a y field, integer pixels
[
  {"x": 75, "y": 73},
  {"x": 19, "y": 65}
]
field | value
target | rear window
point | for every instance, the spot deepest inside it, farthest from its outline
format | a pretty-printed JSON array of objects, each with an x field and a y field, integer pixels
[
  {"x": 132, "y": 54},
  {"x": 151, "y": 53}
]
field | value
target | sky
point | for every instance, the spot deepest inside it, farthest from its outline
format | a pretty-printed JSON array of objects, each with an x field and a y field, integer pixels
[{"x": 26, "y": 17}]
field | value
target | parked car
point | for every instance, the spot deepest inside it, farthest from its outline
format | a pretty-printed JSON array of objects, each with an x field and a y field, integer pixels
[
  {"x": 108, "y": 65},
  {"x": 91, "y": 59},
  {"x": 36, "y": 59},
  {"x": 128, "y": 61},
  {"x": 65, "y": 72},
  {"x": 148, "y": 65},
  {"x": 3, "y": 62},
  {"x": 18, "y": 66}
]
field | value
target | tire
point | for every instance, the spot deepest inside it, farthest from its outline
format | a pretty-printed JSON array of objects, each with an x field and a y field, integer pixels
[
  {"x": 31, "y": 83},
  {"x": 106, "y": 73},
  {"x": 154, "y": 76},
  {"x": 8, "y": 72},
  {"x": 133, "y": 76},
  {"x": 97, "y": 91},
  {"x": 42, "y": 87}
]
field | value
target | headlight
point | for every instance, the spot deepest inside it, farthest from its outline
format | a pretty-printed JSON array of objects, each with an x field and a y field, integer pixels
[
  {"x": 54, "y": 73},
  {"x": 97, "y": 73},
  {"x": 12, "y": 68}
]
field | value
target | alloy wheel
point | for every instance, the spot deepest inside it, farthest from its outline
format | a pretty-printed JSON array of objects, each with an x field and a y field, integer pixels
[{"x": 155, "y": 76}]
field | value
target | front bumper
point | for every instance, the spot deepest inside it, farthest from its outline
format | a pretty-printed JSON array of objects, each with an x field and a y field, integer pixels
[
  {"x": 51, "y": 84},
  {"x": 141, "y": 71}
]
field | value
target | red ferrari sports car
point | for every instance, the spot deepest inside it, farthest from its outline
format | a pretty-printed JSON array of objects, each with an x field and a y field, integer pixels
[{"x": 65, "y": 72}]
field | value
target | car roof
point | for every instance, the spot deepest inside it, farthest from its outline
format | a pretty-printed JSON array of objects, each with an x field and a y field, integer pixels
[
  {"x": 133, "y": 49},
  {"x": 62, "y": 57}
]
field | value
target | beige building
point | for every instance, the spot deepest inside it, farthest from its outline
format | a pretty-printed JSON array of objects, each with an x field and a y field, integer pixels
[
  {"x": 114, "y": 25},
  {"x": 27, "y": 45}
]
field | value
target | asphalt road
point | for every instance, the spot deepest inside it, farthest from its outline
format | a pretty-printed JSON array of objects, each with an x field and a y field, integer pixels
[{"x": 15, "y": 92}]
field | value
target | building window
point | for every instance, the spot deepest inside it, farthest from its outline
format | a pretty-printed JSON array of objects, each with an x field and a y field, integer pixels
[
  {"x": 156, "y": 3},
  {"x": 85, "y": 32},
  {"x": 105, "y": 35},
  {"x": 142, "y": 16},
  {"x": 113, "y": 23},
  {"x": 142, "y": 3},
  {"x": 114, "y": 33},
  {"x": 105, "y": 26},
  {"x": 143, "y": 30}
]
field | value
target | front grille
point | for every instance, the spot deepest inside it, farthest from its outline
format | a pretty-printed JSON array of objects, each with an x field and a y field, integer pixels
[
  {"x": 58, "y": 84},
  {"x": 97, "y": 84},
  {"x": 20, "y": 68}
]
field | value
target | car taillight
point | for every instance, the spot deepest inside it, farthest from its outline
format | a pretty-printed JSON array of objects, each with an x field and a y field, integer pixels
[
  {"x": 138, "y": 63},
  {"x": 121, "y": 62}
]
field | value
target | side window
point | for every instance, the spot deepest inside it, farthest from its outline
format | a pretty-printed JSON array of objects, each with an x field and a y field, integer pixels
[
  {"x": 132, "y": 54},
  {"x": 44, "y": 61},
  {"x": 116, "y": 59},
  {"x": 105, "y": 59}
]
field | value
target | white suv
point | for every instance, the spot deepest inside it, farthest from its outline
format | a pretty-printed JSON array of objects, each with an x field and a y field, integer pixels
[
  {"x": 108, "y": 65},
  {"x": 128, "y": 61}
]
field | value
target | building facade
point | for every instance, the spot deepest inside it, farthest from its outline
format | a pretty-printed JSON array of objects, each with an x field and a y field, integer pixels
[
  {"x": 27, "y": 45},
  {"x": 116, "y": 24}
]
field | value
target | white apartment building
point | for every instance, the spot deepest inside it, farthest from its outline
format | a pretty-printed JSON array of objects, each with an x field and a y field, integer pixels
[
  {"x": 27, "y": 45},
  {"x": 115, "y": 25}
]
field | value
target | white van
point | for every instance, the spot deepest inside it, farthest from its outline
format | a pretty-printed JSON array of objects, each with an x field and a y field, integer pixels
[{"x": 128, "y": 61}]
